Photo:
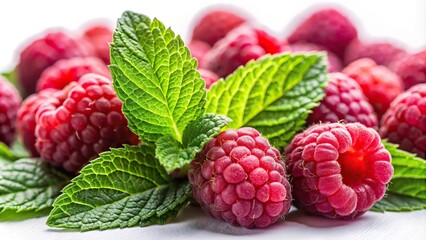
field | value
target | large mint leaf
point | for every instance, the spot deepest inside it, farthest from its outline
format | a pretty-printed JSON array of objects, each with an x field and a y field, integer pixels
[
  {"x": 28, "y": 186},
  {"x": 122, "y": 188},
  {"x": 175, "y": 155},
  {"x": 155, "y": 77},
  {"x": 399, "y": 203},
  {"x": 274, "y": 94}
]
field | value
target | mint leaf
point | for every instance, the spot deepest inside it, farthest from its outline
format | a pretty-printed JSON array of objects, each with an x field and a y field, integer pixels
[
  {"x": 155, "y": 77},
  {"x": 28, "y": 186},
  {"x": 122, "y": 188},
  {"x": 274, "y": 94},
  {"x": 174, "y": 155},
  {"x": 399, "y": 203},
  {"x": 6, "y": 156}
]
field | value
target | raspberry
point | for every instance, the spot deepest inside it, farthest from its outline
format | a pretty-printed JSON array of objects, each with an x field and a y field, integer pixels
[
  {"x": 383, "y": 53},
  {"x": 26, "y": 118},
  {"x": 215, "y": 24},
  {"x": 198, "y": 50},
  {"x": 83, "y": 120},
  {"x": 379, "y": 84},
  {"x": 328, "y": 28},
  {"x": 208, "y": 76},
  {"x": 240, "y": 178},
  {"x": 99, "y": 36},
  {"x": 405, "y": 121},
  {"x": 334, "y": 63},
  {"x": 65, "y": 71},
  {"x": 9, "y": 104},
  {"x": 338, "y": 170},
  {"x": 238, "y": 47},
  {"x": 411, "y": 69},
  {"x": 345, "y": 101},
  {"x": 43, "y": 53}
]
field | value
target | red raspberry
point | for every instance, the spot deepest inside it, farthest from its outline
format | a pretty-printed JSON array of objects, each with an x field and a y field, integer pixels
[
  {"x": 43, "y": 53},
  {"x": 345, "y": 101},
  {"x": 338, "y": 170},
  {"x": 215, "y": 24},
  {"x": 198, "y": 50},
  {"x": 238, "y": 47},
  {"x": 208, "y": 77},
  {"x": 383, "y": 53},
  {"x": 411, "y": 69},
  {"x": 83, "y": 120},
  {"x": 9, "y": 104},
  {"x": 26, "y": 118},
  {"x": 405, "y": 121},
  {"x": 329, "y": 28},
  {"x": 334, "y": 63},
  {"x": 65, "y": 71},
  {"x": 240, "y": 178},
  {"x": 99, "y": 36},
  {"x": 379, "y": 84}
]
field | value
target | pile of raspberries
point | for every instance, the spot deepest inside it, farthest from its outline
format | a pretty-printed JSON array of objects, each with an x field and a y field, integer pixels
[{"x": 67, "y": 112}]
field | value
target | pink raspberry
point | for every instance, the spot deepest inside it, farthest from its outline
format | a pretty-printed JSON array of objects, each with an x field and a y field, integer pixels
[
  {"x": 43, "y": 53},
  {"x": 198, "y": 50},
  {"x": 99, "y": 36},
  {"x": 383, "y": 53},
  {"x": 26, "y": 118},
  {"x": 238, "y": 47},
  {"x": 328, "y": 28},
  {"x": 215, "y": 24},
  {"x": 65, "y": 71},
  {"x": 240, "y": 178},
  {"x": 405, "y": 121},
  {"x": 81, "y": 121},
  {"x": 334, "y": 63},
  {"x": 338, "y": 170},
  {"x": 208, "y": 77},
  {"x": 411, "y": 69},
  {"x": 9, "y": 104},
  {"x": 379, "y": 84},
  {"x": 345, "y": 101}
]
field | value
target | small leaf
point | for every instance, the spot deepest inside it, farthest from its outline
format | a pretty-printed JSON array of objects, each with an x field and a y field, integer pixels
[
  {"x": 122, "y": 188},
  {"x": 30, "y": 186},
  {"x": 155, "y": 77},
  {"x": 174, "y": 155},
  {"x": 399, "y": 203},
  {"x": 274, "y": 94},
  {"x": 6, "y": 156}
]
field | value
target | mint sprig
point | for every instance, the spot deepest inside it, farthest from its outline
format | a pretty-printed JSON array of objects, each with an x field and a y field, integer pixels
[
  {"x": 274, "y": 94},
  {"x": 122, "y": 188}
]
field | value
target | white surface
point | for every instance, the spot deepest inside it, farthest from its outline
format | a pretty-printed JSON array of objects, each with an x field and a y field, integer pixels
[{"x": 404, "y": 21}]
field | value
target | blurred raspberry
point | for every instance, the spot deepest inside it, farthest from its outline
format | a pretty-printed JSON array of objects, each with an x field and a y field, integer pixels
[
  {"x": 9, "y": 104},
  {"x": 328, "y": 28},
  {"x": 345, "y": 101},
  {"x": 334, "y": 63},
  {"x": 338, "y": 170},
  {"x": 198, "y": 50},
  {"x": 215, "y": 24},
  {"x": 99, "y": 36},
  {"x": 383, "y": 53},
  {"x": 208, "y": 76},
  {"x": 405, "y": 121},
  {"x": 65, "y": 71},
  {"x": 411, "y": 69},
  {"x": 240, "y": 178},
  {"x": 379, "y": 84},
  {"x": 238, "y": 47},
  {"x": 43, "y": 53}
]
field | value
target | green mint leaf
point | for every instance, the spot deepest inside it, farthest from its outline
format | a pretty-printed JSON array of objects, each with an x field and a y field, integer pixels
[
  {"x": 274, "y": 94},
  {"x": 155, "y": 77},
  {"x": 28, "y": 187},
  {"x": 409, "y": 173},
  {"x": 6, "y": 156},
  {"x": 122, "y": 188},
  {"x": 174, "y": 155},
  {"x": 399, "y": 203}
]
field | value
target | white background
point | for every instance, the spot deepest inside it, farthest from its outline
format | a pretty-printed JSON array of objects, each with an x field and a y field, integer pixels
[{"x": 402, "y": 21}]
